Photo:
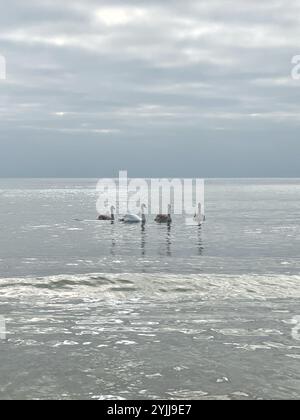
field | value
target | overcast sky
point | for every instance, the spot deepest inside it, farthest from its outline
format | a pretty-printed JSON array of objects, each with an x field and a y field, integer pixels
[{"x": 160, "y": 88}]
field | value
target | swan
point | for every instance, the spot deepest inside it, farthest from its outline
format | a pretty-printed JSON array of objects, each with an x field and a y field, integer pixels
[
  {"x": 164, "y": 218},
  {"x": 134, "y": 218},
  {"x": 107, "y": 217},
  {"x": 199, "y": 218}
]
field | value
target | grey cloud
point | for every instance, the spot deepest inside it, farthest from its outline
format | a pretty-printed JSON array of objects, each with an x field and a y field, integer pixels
[{"x": 149, "y": 73}]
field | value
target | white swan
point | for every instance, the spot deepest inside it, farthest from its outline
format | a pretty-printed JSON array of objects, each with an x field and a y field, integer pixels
[
  {"x": 199, "y": 218},
  {"x": 134, "y": 218}
]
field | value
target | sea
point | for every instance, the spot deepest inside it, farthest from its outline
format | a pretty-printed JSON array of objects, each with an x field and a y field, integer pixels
[{"x": 94, "y": 310}]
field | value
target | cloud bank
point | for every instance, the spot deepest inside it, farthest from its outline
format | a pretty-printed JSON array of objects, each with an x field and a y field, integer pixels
[{"x": 156, "y": 87}]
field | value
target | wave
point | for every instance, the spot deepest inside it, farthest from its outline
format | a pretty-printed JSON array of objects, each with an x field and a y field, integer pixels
[{"x": 100, "y": 286}]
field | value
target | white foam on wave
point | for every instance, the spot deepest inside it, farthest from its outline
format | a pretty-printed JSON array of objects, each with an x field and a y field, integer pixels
[{"x": 159, "y": 287}]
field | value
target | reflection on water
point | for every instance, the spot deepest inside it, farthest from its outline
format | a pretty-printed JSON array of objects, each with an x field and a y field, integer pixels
[
  {"x": 150, "y": 240},
  {"x": 113, "y": 240},
  {"x": 166, "y": 232},
  {"x": 199, "y": 241},
  {"x": 143, "y": 240},
  {"x": 169, "y": 240}
]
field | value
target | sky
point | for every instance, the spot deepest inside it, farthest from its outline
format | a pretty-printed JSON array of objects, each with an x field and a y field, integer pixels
[{"x": 158, "y": 88}]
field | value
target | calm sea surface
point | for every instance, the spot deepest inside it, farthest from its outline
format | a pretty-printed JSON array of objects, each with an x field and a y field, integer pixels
[{"x": 101, "y": 311}]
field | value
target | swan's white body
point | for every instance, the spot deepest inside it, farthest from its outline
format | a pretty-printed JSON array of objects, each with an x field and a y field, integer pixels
[
  {"x": 134, "y": 218},
  {"x": 199, "y": 218}
]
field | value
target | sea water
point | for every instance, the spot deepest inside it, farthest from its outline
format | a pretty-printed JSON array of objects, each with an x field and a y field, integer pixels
[{"x": 96, "y": 310}]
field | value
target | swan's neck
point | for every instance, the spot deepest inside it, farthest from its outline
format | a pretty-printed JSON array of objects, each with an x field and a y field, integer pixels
[{"x": 199, "y": 210}]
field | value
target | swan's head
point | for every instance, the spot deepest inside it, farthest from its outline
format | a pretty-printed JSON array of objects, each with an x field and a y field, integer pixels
[
  {"x": 143, "y": 206},
  {"x": 112, "y": 209}
]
